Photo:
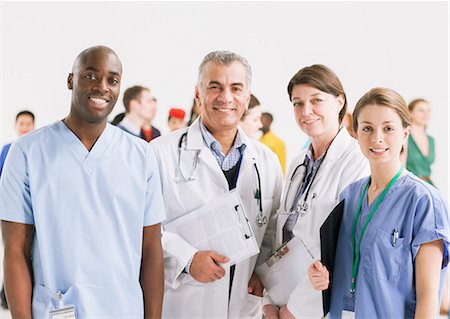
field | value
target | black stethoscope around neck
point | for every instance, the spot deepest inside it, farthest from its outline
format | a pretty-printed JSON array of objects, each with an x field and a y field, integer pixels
[
  {"x": 180, "y": 177},
  {"x": 292, "y": 203}
]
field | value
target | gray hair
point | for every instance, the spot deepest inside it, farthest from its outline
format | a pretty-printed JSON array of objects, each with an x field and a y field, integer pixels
[{"x": 224, "y": 58}]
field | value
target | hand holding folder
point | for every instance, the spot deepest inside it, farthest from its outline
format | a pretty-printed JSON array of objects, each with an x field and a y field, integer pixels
[{"x": 221, "y": 225}]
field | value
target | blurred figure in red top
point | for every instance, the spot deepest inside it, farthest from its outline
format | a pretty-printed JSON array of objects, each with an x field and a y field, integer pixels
[{"x": 176, "y": 119}]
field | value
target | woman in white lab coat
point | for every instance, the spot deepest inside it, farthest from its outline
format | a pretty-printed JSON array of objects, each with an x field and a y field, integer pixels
[
  {"x": 185, "y": 297},
  {"x": 315, "y": 178}
]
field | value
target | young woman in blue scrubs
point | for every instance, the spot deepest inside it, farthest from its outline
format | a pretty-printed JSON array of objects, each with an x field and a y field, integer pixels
[{"x": 393, "y": 243}]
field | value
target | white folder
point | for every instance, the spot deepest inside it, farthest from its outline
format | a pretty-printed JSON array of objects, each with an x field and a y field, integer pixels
[
  {"x": 284, "y": 269},
  {"x": 221, "y": 225}
]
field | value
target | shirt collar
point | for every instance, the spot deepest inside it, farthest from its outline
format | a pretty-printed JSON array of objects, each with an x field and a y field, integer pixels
[
  {"x": 214, "y": 145},
  {"x": 309, "y": 158}
]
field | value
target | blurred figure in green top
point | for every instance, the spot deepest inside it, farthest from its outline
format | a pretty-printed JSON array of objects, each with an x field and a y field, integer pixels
[{"x": 419, "y": 150}]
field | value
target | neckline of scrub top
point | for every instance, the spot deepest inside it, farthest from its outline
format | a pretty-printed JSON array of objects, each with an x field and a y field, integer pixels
[{"x": 89, "y": 159}]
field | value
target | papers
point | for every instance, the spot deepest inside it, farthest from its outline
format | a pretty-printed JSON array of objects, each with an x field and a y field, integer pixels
[
  {"x": 221, "y": 225},
  {"x": 282, "y": 271}
]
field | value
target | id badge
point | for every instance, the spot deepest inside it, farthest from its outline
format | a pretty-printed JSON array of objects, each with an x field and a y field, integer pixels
[
  {"x": 346, "y": 314},
  {"x": 66, "y": 312},
  {"x": 348, "y": 311}
]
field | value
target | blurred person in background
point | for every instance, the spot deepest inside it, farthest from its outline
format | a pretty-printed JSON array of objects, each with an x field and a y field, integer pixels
[
  {"x": 140, "y": 110},
  {"x": 251, "y": 119},
  {"x": 271, "y": 140},
  {"x": 195, "y": 112},
  {"x": 24, "y": 125},
  {"x": 176, "y": 119},
  {"x": 418, "y": 152}
]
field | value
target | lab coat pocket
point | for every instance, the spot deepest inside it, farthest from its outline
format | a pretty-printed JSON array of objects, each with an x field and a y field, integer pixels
[
  {"x": 385, "y": 257},
  {"x": 252, "y": 308}
]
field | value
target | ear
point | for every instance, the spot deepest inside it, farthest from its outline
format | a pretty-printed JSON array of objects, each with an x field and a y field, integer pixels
[
  {"x": 70, "y": 81},
  {"x": 406, "y": 133},
  {"x": 197, "y": 96},
  {"x": 133, "y": 104},
  {"x": 341, "y": 102}
]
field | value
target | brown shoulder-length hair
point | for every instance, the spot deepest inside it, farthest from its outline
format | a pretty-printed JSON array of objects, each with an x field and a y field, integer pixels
[{"x": 322, "y": 78}]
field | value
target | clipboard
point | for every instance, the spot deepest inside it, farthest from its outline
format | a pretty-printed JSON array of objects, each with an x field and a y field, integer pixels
[
  {"x": 329, "y": 234},
  {"x": 283, "y": 270},
  {"x": 221, "y": 225}
]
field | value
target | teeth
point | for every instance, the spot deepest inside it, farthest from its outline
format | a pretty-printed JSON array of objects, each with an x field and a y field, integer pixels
[
  {"x": 98, "y": 101},
  {"x": 378, "y": 150},
  {"x": 224, "y": 110},
  {"x": 310, "y": 121}
]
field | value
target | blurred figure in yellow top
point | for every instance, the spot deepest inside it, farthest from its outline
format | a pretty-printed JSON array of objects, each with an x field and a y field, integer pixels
[{"x": 271, "y": 140}]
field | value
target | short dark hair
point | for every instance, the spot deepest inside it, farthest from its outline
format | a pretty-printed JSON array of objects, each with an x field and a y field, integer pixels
[
  {"x": 322, "y": 78},
  {"x": 25, "y": 112},
  {"x": 132, "y": 93},
  {"x": 268, "y": 115}
]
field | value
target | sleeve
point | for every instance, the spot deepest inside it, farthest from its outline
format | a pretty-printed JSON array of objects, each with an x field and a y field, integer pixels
[
  {"x": 15, "y": 196},
  {"x": 155, "y": 211},
  {"x": 177, "y": 253},
  {"x": 269, "y": 240},
  {"x": 431, "y": 222},
  {"x": 3, "y": 154}
]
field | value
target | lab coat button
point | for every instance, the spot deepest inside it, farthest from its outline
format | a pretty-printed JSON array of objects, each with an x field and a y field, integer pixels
[{"x": 222, "y": 190}]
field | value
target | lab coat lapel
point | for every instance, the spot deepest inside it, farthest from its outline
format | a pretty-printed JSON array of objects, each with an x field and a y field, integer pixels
[{"x": 206, "y": 158}]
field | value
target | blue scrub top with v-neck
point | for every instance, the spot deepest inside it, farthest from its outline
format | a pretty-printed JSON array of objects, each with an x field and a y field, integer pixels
[
  {"x": 385, "y": 282},
  {"x": 89, "y": 210}
]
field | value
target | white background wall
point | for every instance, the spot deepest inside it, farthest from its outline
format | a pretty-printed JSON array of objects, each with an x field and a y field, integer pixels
[{"x": 402, "y": 45}]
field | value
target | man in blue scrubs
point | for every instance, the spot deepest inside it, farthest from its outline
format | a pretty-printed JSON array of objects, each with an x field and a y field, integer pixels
[{"x": 81, "y": 206}]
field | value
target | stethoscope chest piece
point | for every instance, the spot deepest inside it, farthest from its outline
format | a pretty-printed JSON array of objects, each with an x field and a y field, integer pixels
[
  {"x": 261, "y": 220},
  {"x": 302, "y": 208}
]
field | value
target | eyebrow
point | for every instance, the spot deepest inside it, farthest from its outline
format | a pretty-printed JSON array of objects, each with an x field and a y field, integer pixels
[
  {"x": 89, "y": 68},
  {"x": 312, "y": 95},
  {"x": 385, "y": 122},
  {"x": 233, "y": 84}
]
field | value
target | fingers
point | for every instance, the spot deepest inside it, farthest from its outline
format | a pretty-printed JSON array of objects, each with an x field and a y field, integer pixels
[
  {"x": 318, "y": 265},
  {"x": 318, "y": 276},
  {"x": 255, "y": 286},
  {"x": 218, "y": 258},
  {"x": 204, "y": 267}
]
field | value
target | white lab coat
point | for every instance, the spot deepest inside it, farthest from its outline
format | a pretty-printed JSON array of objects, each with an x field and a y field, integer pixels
[
  {"x": 342, "y": 165},
  {"x": 184, "y": 297}
]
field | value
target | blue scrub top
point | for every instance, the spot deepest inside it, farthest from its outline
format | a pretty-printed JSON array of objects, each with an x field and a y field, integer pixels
[
  {"x": 385, "y": 281},
  {"x": 3, "y": 154},
  {"x": 89, "y": 210}
]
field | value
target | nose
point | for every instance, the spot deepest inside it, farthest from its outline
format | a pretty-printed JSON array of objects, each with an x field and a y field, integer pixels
[
  {"x": 225, "y": 96},
  {"x": 259, "y": 124},
  {"x": 377, "y": 137},
  {"x": 102, "y": 84},
  {"x": 307, "y": 108}
]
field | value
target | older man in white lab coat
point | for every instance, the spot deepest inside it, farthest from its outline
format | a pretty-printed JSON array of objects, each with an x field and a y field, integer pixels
[{"x": 221, "y": 158}]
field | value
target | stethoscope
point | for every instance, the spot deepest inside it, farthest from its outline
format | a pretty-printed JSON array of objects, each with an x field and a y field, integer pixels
[
  {"x": 181, "y": 178},
  {"x": 298, "y": 178}
]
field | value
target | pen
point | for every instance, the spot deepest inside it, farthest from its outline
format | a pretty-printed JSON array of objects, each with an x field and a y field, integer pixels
[{"x": 395, "y": 237}]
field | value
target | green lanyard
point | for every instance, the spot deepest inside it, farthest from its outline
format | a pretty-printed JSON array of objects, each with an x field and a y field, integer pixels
[{"x": 356, "y": 256}]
